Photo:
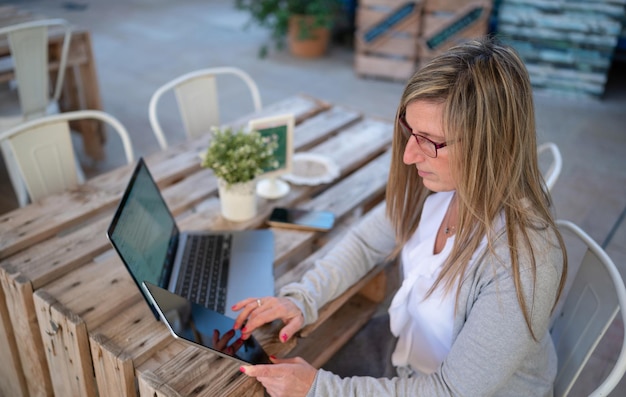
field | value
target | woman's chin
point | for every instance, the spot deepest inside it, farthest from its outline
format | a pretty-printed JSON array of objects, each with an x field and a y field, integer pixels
[{"x": 435, "y": 186}]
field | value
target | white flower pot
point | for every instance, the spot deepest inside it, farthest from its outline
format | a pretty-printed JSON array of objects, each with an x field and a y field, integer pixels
[{"x": 237, "y": 201}]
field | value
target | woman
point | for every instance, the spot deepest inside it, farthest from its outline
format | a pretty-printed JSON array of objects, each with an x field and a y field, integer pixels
[{"x": 467, "y": 214}]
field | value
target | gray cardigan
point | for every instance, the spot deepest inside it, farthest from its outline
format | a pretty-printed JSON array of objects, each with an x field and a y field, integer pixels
[{"x": 492, "y": 353}]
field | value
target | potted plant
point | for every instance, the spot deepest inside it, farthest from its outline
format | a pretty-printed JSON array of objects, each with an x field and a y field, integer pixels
[
  {"x": 306, "y": 23},
  {"x": 237, "y": 157}
]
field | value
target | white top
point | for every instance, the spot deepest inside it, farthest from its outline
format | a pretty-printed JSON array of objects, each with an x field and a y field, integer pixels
[{"x": 423, "y": 327}]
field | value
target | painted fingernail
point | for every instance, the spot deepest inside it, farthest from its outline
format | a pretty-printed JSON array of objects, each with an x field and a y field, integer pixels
[
  {"x": 233, "y": 307},
  {"x": 244, "y": 329},
  {"x": 284, "y": 337},
  {"x": 242, "y": 369},
  {"x": 273, "y": 357}
]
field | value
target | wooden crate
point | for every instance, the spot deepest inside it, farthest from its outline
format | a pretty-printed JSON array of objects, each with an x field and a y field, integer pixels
[
  {"x": 568, "y": 47},
  {"x": 386, "y": 38},
  {"x": 442, "y": 29}
]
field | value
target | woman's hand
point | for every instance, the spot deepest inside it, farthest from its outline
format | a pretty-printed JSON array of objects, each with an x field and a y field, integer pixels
[
  {"x": 287, "y": 377},
  {"x": 257, "y": 312}
]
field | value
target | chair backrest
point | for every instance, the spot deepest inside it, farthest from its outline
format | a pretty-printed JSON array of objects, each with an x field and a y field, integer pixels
[
  {"x": 28, "y": 42},
  {"x": 554, "y": 169},
  {"x": 197, "y": 98},
  {"x": 596, "y": 295},
  {"x": 44, "y": 153}
]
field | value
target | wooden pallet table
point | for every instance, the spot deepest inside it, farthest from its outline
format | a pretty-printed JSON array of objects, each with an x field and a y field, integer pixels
[{"x": 73, "y": 321}]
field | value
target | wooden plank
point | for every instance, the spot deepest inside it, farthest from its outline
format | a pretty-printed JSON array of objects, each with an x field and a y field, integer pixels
[
  {"x": 395, "y": 69},
  {"x": 301, "y": 106},
  {"x": 444, "y": 5},
  {"x": 18, "y": 292},
  {"x": 64, "y": 335},
  {"x": 347, "y": 195},
  {"x": 383, "y": 4},
  {"x": 317, "y": 128},
  {"x": 118, "y": 346},
  {"x": 114, "y": 370},
  {"x": 396, "y": 47},
  {"x": 12, "y": 381},
  {"x": 580, "y": 9},
  {"x": 92, "y": 132},
  {"x": 186, "y": 374}
]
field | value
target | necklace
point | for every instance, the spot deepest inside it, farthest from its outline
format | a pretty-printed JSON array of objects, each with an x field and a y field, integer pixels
[{"x": 450, "y": 229}]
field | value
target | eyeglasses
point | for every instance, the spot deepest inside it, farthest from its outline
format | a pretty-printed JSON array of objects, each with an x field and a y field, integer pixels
[{"x": 426, "y": 145}]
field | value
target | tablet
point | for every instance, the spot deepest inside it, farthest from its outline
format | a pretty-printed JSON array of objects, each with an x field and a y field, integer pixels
[{"x": 203, "y": 327}]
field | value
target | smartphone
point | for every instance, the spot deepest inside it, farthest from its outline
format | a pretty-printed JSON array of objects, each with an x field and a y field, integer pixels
[{"x": 295, "y": 218}]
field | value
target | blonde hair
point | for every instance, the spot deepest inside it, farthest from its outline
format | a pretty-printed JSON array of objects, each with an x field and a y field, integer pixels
[{"x": 489, "y": 115}]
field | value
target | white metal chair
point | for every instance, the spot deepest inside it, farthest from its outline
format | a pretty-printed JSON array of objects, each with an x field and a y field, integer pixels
[
  {"x": 554, "y": 170},
  {"x": 197, "y": 98},
  {"x": 596, "y": 295},
  {"x": 44, "y": 153},
  {"x": 28, "y": 42}
]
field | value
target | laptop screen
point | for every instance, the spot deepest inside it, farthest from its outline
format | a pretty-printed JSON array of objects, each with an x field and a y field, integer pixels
[{"x": 143, "y": 230}]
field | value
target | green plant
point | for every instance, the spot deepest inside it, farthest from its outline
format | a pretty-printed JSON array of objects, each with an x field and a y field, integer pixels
[
  {"x": 274, "y": 15},
  {"x": 239, "y": 156}
]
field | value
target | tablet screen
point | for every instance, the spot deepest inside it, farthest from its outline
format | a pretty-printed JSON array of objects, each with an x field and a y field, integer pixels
[{"x": 204, "y": 327}]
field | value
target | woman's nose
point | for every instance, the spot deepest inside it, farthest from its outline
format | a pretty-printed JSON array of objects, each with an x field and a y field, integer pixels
[{"x": 412, "y": 152}]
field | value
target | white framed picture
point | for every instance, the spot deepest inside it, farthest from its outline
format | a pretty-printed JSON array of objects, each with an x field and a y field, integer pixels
[{"x": 282, "y": 127}]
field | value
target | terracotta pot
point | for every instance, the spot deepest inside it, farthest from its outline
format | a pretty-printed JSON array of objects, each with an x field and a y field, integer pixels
[{"x": 313, "y": 43}]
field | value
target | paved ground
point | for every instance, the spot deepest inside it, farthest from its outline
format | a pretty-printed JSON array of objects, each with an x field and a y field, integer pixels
[{"x": 141, "y": 44}]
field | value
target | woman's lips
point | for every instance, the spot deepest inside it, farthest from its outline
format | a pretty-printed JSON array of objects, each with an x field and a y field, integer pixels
[{"x": 423, "y": 173}]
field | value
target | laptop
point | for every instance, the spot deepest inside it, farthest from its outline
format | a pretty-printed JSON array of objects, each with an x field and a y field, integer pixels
[
  {"x": 198, "y": 325},
  {"x": 215, "y": 269}
]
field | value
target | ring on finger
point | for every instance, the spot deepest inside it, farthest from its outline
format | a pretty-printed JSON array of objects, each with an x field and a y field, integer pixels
[{"x": 258, "y": 302}]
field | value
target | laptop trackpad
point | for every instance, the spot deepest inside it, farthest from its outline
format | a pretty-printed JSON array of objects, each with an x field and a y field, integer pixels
[{"x": 249, "y": 277}]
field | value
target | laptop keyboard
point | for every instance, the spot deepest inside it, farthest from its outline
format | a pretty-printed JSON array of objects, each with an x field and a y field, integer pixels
[{"x": 207, "y": 258}]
